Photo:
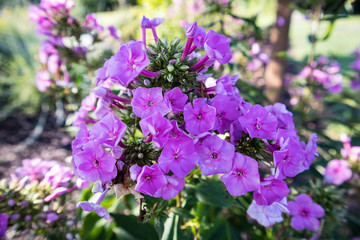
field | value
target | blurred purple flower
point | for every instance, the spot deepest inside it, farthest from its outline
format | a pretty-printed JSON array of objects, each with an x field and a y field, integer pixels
[
  {"x": 305, "y": 213},
  {"x": 337, "y": 172},
  {"x": 268, "y": 215}
]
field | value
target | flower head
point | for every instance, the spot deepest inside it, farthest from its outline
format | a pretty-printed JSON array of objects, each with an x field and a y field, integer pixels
[
  {"x": 215, "y": 155},
  {"x": 148, "y": 101},
  {"x": 128, "y": 62},
  {"x": 337, "y": 172},
  {"x": 150, "y": 180},
  {"x": 94, "y": 163},
  {"x": 43, "y": 80},
  {"x": 305, "y": 213},
  {"x": 175, "y": 99},
  {"x": 159, "y": 128},
  {"x": 225, "y": 112},
  {"x": 268, "y": 215},
  {"x": 284, "y": 117},
  {"x": 89, "y": 206},
  {"x": 217, "y": 46},
  {"x": 243, "y": 177},
  {"x": 259, "y": 123},
  {"x": 172, "y": 188},
  {"x": 271, "y": 190},
  {"x": 180, "y": 158},
  {"x": 199, "y": 116},
  {"x": 108, "y": 131}
]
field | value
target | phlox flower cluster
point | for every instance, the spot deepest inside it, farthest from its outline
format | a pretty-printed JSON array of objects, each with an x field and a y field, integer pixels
[
  {"x": 339, "y": 171},
  {"x": 156, "y": 124},
  {"x": 35, "y": 194},
  {"x": 355, "y": 66},
  {"x": 258, "y": 58},
  {"x": 66, "y": 40},
  {"x": 324, "y": 76}
]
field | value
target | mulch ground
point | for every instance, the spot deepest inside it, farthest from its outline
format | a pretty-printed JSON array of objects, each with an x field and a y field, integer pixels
[{"x": 54, "y": 143}]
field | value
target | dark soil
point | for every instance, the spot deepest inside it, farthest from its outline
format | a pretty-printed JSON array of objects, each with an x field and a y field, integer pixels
[{"x": 53, "y": 144}]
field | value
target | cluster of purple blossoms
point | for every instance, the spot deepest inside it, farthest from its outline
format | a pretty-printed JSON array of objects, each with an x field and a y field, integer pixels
[
  {"x": 258, "y": 58},
  {"x": 324, "y": 74},
  {"x": 32, "y": 193},
  {"x": 157, "y": 119},
  {"x": 54, "y": 22},
  {"x": 355, "y": 81},
  {"x": 338, "y": 171}
]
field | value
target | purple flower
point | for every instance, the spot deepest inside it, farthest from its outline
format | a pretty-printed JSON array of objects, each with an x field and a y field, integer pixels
[
  {"x": 225, "y": 112},
  {"x": 52, "y": 217},
  {"x": 89, "y": 206},
  {"x": 35, "y": 169},
  {"x": 199, "y": 38},
  {"x": 235, "y": 132},
  {"x": 113, "y": 32},
  {"x": 289, "y": 160},
  {"x": 268, "y": 215},
  {"x": 215, "y": 155},
  {"x": 217, "y": 46},
  {"x": 244, "y": 175},
  {"x": 58, "y": 192},
  {"x": 82, "y": 137},
  {"x": 108, "y": 131},
  {"x": 135, "y": 170},
  {"x": 11, "y": 202},
  {"x": 259, "y": 123},
  {"x": 337, "y": 172},
  {"x": 128, "y": 62},
  {"x": 53, "y": 63},
  {"x": 305, "y": 213},
  {"x": 225, "y": 86},
  {"x": 180, "y": 158},
  {"x": 172, "y": 188},
  {"x": 59, "y": 175},
  {"x": 94, "y": 163},
  {"x": 199, "y": 116},
  {"x": 175, "y": 99},
  {"x": 43, "y": 80},
  {"x": 159, "y": 128},
  {"x": 271, "y": 190},
  {"x": 284, "y": 117},
  {"x": 101, "y": 73},
  {"x": 27, "y": 218},
  {"x": 148, "y": 101},
  {"x": 310, "y": 151},
  {"x": 150, "y": 180},
  {"x": 176, "y": 135},
  {"x": 92, "y": 24}
]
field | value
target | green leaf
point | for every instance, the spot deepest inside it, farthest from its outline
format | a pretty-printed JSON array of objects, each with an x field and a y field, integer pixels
[
  {"x": 212, "y": 193},
  {"x": 134, "y": 228},
  {"x": 182, "y": 212},
  {"x": 172, "y": 228}
]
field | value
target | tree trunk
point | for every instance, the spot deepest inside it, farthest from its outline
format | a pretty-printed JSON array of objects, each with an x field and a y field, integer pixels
[{"x": 279, "y": 39}]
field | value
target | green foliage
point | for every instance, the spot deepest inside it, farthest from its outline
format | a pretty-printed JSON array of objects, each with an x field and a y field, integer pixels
[{"x": 18, "y": 45}]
